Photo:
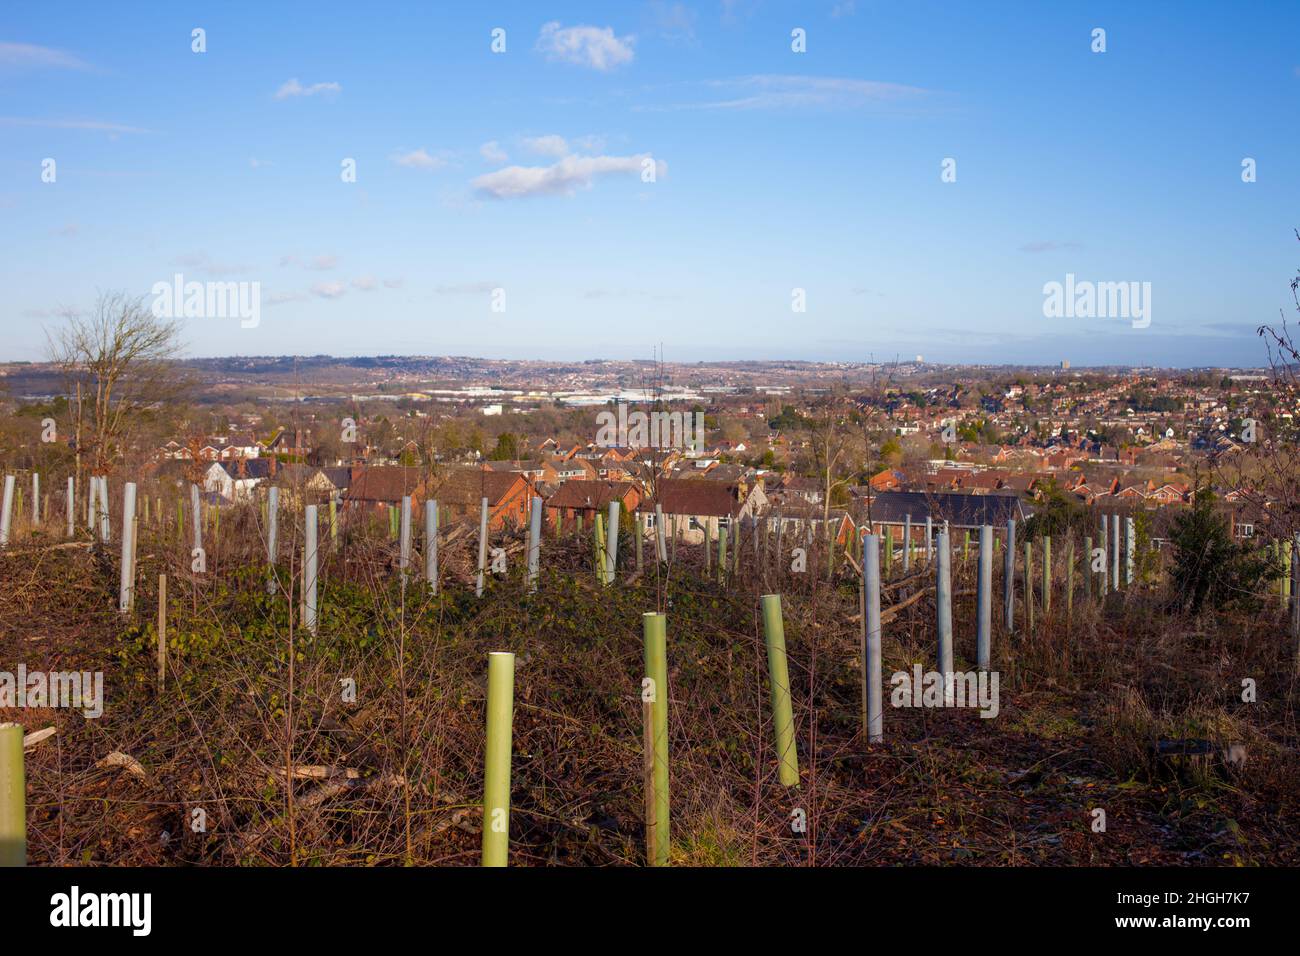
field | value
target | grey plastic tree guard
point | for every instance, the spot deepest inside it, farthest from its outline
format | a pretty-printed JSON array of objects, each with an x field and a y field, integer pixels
[
  {"x": 482, "y": 546},
  {"x": 984, "y": 600},
  {"x": 431, "y": 544},
  {"x": 126, "y": 590},
  {"x": 534, "y": 543},
  {"x": 309, "y": 570},
  {"x": 943, "y": 601},
  {"x": 875, "y": 713},
  {"x": 1009, "y": 579}
]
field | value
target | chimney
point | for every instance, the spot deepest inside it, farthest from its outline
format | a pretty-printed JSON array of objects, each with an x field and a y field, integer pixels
[{"x": 274, "y": 464}]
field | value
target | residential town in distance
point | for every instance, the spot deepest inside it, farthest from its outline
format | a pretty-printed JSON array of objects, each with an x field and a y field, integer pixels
[{"x": 905, "y": 441}]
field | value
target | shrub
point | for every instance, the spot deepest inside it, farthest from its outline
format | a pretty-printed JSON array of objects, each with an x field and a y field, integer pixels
[{"x": 1209, "y": 566}]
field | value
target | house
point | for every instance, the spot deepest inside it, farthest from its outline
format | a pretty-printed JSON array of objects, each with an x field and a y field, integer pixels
[
  {"x": 891, "y": 479},
  {"x": 376, "y": 487},
  {"x": 292, "y": 445},
  {"x": 893, "y": 508},
  {"x": 797, "y": 487},
  {"x": 212, "y": 448},
  {"x": 586, "y": 498},
  {"x": 567, "y": 469},
  {"x": 537, "y": 472},
  {"x": 985, "y": 482},
  {"x": 1169, "y": 493},
  {"x": 235, "y": 480},
  {"x": 316, "y": 484},
  {"x": 691, "y": 506},
  {"x": 460, "y": 492}
]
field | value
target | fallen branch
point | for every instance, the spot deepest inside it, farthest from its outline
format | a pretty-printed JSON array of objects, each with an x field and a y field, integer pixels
[
  {"x": 34, "y": 738},
  {"x": 125, "y": 761}
]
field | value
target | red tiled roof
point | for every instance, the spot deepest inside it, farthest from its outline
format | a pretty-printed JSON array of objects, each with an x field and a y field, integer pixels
[
  {"x": 385, "y": 483},
  {"x": 589, "y": 494},
  {"x": 697, "y": 496},
  {"x": 467, "y": 486}
]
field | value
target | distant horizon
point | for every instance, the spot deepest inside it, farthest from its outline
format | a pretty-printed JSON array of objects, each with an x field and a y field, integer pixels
[{"x": 576, "y": 359}]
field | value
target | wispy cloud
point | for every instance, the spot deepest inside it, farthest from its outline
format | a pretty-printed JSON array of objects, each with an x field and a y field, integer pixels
[
  {"x": 279, "y": 298},
  {"x": 550, "y": 145},
  {"x": 203, "y": 263},
  {"x": 419, "y": 159},
  {"x": 293, "y": 88},
  {"x": 31, "y": 56},
  {"x": 674, "y": 22},
  {"x": 493, "y": 153},
  {"x": 329, "y": 290},
  {"x": 630, "y": 294},
  {"x": 365, "y": 283},
  {"x": 562, "y": 178},
  {"x": 467, "y": 288},
  {"x": 594, "y": 47},
  {"x": 845, "y": 8},
  {"x": 777, "y": 91}
]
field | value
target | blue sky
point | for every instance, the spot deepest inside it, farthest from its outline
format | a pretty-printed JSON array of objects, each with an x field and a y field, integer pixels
[{"x": 774, "y": 170}]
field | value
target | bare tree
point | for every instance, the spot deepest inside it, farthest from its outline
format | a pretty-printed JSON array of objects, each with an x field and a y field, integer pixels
[
  {"x": 1267, "y": 474},
  {"x": 830, "y": 443},
  {"x": 117, "y": 362}
]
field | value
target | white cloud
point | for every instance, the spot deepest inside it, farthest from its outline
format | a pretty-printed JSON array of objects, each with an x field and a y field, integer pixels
[
  {"x": 29, "y": 55},
  {"x": 324, "y": 263},
  {"x": 564, "y": 177},
  {"x": 493, "y": 153},
  {"x": 596, "y": 47},
  {"x": 393, "y": 283},
  {"x": 329, "y": 290},
  {"x": 550, "y": 145},
  {"x": 256, "y": 163},
  {"x": 365, "y": 283},
  {"x": 419, "y": 159},
  {"x": 294, "y": 88},
  {"x": 845, "y": 8}
]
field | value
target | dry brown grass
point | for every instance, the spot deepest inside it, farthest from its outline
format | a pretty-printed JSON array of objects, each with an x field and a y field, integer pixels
[{"x": 1083, "y": 702}]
